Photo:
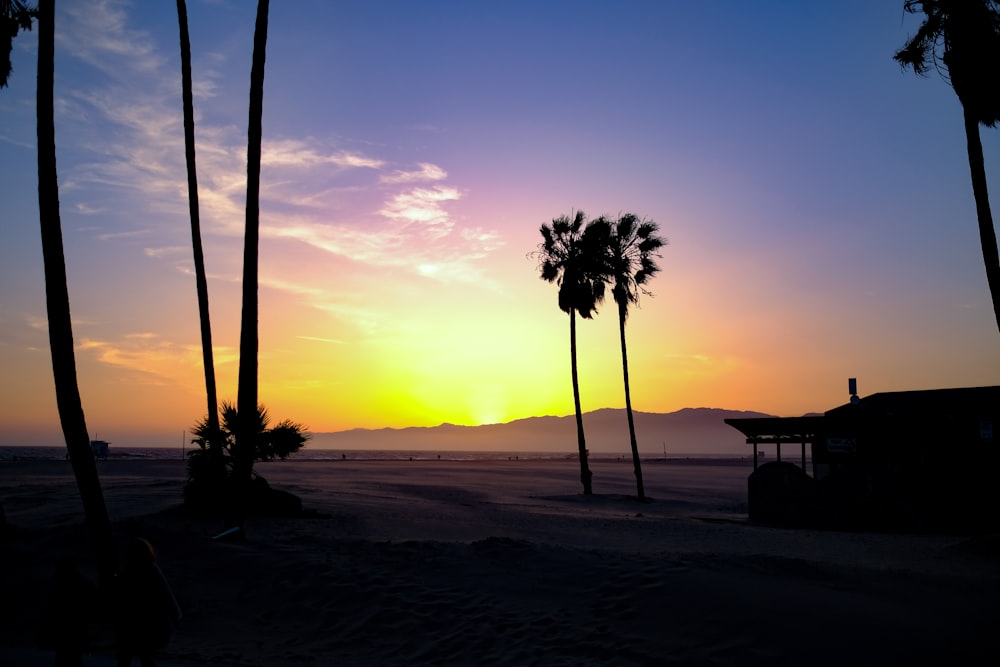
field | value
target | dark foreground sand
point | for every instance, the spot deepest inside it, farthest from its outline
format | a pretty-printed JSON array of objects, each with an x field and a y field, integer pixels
[{"x": 505, "y": 563}]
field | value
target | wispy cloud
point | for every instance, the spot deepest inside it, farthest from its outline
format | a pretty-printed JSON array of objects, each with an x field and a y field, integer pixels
[
  {"x": 85, "y": 209},
  {"x": 426, "y": 172},
  {"x": 332, "y": 341},
  {"x": 160, "y": 360},
  {"x": 300, "y": 155},
  {"x": 700, "y": 365},
  {"x": 135, "y": 233},
  {"x": 42, "y": 323},
  {"x": 316, "y": 191},
  {"x": 292, "y": 287},
  {"x": 98, "y": 33},
  {"x": 167, "y": 251},
  {"x": 423, "y": 206}
]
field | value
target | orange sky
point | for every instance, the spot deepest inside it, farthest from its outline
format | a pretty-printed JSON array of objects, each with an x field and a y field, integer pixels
[{"x": 815, "y": 200}]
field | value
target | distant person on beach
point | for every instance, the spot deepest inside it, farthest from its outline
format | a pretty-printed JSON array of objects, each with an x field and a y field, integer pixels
[
  {"x": 147, "y": 612},
  {"x": 66, "y": 619}
]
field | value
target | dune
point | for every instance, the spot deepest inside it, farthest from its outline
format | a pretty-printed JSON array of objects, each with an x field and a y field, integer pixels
[{"x": 506, "y": 563}]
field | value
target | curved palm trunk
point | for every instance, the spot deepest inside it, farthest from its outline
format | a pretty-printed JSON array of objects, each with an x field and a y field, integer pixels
[
  {"x": 71, "y": 417},
  {"x": 987, "y": 234},
  {"x": 246, "y": 401},
  {"x": 201, "y": 280},
  {"x": 636, "y": 464},
  {"x": 585, "y": 474}
]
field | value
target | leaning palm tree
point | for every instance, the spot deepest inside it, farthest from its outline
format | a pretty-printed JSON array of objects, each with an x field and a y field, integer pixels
[
  {"x": 632, "y": 248},
  {"x": 201, "y": 281},
  {"x": 15, "y": 16},
  {"x": 71, "y": 417},
  {"x": 571, "y": 255},
  {"x": 961, "y": 39},
  {"x": 246, "y": 399}
]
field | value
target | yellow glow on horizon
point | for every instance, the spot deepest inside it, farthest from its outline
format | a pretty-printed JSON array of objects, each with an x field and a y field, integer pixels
[{"x": 413, "y": 350}]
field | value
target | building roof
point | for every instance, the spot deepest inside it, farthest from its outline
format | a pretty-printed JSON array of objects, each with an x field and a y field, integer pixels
[{"x": 983, "y": 401}]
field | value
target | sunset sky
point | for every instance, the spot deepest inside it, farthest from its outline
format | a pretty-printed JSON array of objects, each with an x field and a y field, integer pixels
[{"x": 816, "y": 200}]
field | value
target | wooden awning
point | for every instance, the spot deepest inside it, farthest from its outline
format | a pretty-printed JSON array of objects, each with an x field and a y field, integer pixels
[{"x": 779, "y": 429}]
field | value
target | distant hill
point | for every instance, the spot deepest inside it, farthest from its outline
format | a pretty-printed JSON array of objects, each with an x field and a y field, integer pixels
[{"x": 687, "y": 431}]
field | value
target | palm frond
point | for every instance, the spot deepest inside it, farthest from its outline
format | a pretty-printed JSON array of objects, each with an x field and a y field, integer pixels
[
  {"x": 15, "y": 16},
  {"x": 573, "y": 255},
  {"x": 633, "y": 248},
  {"x": 961, "y": 40}
]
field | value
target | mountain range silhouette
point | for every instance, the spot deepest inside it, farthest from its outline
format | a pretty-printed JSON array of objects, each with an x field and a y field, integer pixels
[{"x": 689, "y": 431}]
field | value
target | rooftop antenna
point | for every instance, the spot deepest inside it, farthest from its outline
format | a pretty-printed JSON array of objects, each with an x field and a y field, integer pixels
[{"x": 852, "y": 388}]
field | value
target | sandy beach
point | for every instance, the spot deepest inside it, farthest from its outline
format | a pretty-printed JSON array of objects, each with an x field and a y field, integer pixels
[{"x": 507, "y": 563}]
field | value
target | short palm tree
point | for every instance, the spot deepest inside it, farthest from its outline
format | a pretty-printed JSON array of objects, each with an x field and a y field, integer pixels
[
  {"x": 961, "y": 39},
  {"x": 270, "y": 442},
  {"x": 211, "y": 478},
  {"x": 15, "y": 16},
  {"x": 201, "y": 280},
  {"x": 284, "y": 439},
  {"x": 71, "y": 417},
  {"x": 571, "y": 255},
  {"x": 633, "y": 247}
]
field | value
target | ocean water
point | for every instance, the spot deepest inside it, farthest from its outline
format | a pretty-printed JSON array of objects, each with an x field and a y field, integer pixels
[
  {"x": 17, "y": 453},
  {"x": 26, "y": 453}
]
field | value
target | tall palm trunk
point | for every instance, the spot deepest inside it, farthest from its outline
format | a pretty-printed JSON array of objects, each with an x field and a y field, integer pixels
[
  {"x": 246, "y": 401},
  {"x": 585, "y": 474},
  {"x": 71, "y": 417},
  {"x": 201, "y": 281},
  {"x": 987, "y": 234},
  {"x": 636, "y": 464}
]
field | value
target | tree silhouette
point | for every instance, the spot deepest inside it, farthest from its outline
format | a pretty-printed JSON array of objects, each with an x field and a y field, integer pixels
[
  {"x": 270, "y": 442},
  {"x": 284, "y": 439},
  {"x": 632, "y": 248},
  {"x": 211, "y": 473},
  {"x": 571, "y": 255},
  {"x": 961, "y": 40},
  {"x": 201, "y": 281},
  {"x": 15, "y": 16},
  {"x": 247, "y": 385},
  {"x": 71, "y": 417}
]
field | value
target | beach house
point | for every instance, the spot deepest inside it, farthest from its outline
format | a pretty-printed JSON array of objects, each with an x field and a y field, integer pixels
[{"x": 912, "y": 460}]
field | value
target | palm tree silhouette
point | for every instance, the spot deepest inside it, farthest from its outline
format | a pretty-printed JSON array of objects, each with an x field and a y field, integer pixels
[
  {"x": 246, "y": 398},
  {"x": 201, "y": 281},
  {"x": 966, "y": 34},
  {"x": 571, "y": 255},
  {"x": 71, "y": 417},
  {"x": 632, "y": 247},
  {"x": 15, "y": 16},
  {"x": 211, "y": 481},
  {"x": 278, "y": 441}
]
